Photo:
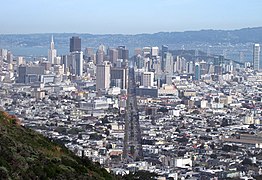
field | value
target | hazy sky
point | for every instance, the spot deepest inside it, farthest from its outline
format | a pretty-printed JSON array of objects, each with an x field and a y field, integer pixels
[{"x": 126, "y": 16}]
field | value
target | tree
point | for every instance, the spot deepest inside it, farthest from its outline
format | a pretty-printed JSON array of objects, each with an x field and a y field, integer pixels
[
  {"x": 141, "y": 175},
  {"x": 247, "y": 161},
  {"x": 163, "y": 110},
  {"x": 208, "y": 130},
  {"x": 214, "y": 156},
  {"x": 227, "y": 148}
]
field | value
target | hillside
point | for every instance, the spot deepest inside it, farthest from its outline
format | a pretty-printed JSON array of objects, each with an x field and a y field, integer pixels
[{"x": 25, "y": 154}]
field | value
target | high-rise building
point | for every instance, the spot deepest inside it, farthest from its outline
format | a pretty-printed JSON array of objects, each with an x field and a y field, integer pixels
[
  {"x": 52, "y": 52},
  {"x": 168, "y": 64},
  {"x": 164, "y": 49},
  {"x": 140, "y": 61},
  {"x": 119, "y": 77},
  {"x": 148, "y": 79},
  {"x": 180, "y": 64},
  {"x": 113, "y": 55},
  {"x": 256, "y": 56},
  {"x": 102, "y": 47},
  {"x": 9, "y": 57},
  {"x": 103, "y": 76},
  {"x": 154, "y": 51},
  {"x": 75, "y": 44},
  {"x": 123, "y": 53},
  {"x": 89, "y": 51},
  {"x": 20, "y": 60},
  {"x": 3, "y": 53},
  {"x": 218, "y": 65},
  {"x": 100, "y": 56},
  {"x": 65, "y": 60},
  {"x": 197, "y": 71},
  {"x": 190, "y": 67},
  {"x": 204, "y": 67},
  {"x": 146, "y": 51},
  {"x": 156, "y": 65},
  {"x": 77, "y": 59}
]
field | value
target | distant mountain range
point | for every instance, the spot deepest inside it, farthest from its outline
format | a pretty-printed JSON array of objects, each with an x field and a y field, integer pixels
[{"x": 173, "y": 39}]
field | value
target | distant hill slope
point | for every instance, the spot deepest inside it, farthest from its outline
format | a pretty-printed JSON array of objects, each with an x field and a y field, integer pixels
[
  {"x": 244, "y": 35},
  {"x": 25, "y": 154}
]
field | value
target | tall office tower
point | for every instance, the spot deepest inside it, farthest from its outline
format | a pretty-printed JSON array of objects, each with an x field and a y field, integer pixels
[
  {"x": 132, "y": 150},
  {"x": 57, "y": 60},
  {"x": 139, "y": 61},
  {"x": 100, "y": 56},
  {"x": 203, "y": 67},
  {"x": 156, "y": 65},
  {"x": 154, "y": 51},
  {"x": 3, "y": 53},
  {"x": 219, "y": 60},
  {"x": 164, "y": 49},
  {"x": 197, "y": 71},
  {"x": 102, "y": 47},
  {"x": 147, "y": 79},
  {"x": 65, "y": 61},
  {"x": 180, "y": 64},
  {"x": 103, "y": 76},
  {"x": 9, "y": 57},
  {"x": 229, "y": 67},
  {"x": 77, "y": 60},
  {"x": 148, "y": 63},
  {"x": 75, "y": 44},
  {"x": 52, "y": 52},
  {"x": 123, "y": 53},
  {"x": 113, "y": 56},
  {"x": 118, "y": 77},
  {"x": 168, "y": 64},
  {"x": 256, "y": 56},
  {"x": 20, "y": 60},
  {"x": 1, "y": 64},
  {"x": 89, "y": 51},
  {"x": 190, "y": 67},
  {"x": 218, "y": 63},
  {"x": 146, "y": 51}
]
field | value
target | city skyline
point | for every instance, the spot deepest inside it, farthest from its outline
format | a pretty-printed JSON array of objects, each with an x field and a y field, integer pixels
[{"x": 120, "y": 17}]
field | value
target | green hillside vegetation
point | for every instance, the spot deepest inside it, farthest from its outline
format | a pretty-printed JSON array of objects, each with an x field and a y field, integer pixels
[{"x": 25, "y": 154}]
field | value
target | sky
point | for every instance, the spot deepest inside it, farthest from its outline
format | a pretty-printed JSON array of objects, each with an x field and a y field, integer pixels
[{"x": 126, "y": 16}]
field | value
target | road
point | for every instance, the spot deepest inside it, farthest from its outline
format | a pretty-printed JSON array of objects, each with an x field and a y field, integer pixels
[{"x": 132, "y": 140}]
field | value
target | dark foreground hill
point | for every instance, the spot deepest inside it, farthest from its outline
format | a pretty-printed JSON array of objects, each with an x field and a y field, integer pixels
[{"x": 25, "y": 154}]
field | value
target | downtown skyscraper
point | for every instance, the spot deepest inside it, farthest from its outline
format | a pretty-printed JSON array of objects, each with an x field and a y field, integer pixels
[
  {"x": 103, "y": 76},
  {"x": 256, "y": 56},
  {"x": 52, "y": 52},
  {"x": 75, "y": 44}
]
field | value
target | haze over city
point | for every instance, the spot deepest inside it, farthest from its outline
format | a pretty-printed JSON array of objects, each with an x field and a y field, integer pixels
[{"x": 126, "y": 17}]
